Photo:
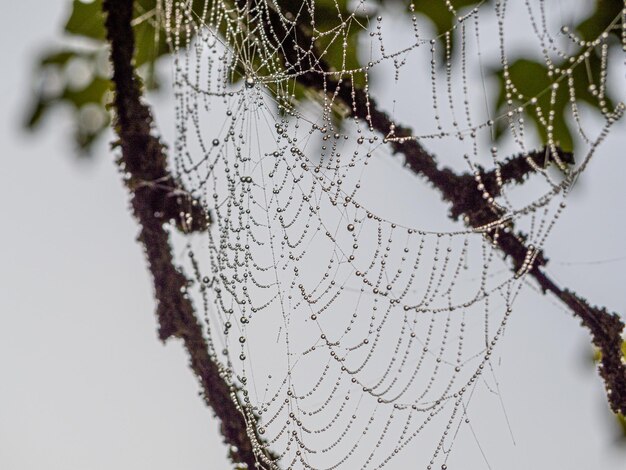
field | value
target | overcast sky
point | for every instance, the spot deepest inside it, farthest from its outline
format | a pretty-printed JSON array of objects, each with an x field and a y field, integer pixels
[{"x": 85, "y": 384}]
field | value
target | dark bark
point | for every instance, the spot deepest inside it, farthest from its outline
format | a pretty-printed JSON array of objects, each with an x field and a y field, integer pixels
[
  {"x": 460, "y": 190},
  {"x": 157, "y": 198}
]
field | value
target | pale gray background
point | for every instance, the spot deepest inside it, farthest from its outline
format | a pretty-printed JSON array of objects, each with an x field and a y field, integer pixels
[{"x": 85, "y": 384}]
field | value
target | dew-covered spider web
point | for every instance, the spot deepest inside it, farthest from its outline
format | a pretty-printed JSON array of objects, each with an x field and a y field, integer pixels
[{"x": 356, "y": 318}]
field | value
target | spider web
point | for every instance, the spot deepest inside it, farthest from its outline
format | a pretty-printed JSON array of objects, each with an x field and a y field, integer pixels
[{"x": 358, "y": 330}]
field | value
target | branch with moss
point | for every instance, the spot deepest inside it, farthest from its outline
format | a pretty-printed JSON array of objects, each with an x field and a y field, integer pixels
[
  {"x": 157, "y": 198},
  {"x": 461, "y": 191}
]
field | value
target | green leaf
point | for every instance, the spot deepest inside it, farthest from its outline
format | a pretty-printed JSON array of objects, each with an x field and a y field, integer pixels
[
  {"x": 439, "y": 15},
  {"x": 94, "y": 92},
  {"x": 149, "y": 39},
  {"x": 328, "y": 16},
  {"x": 621, "y": 421},
  {"x": 605, "y": 12},
  {"x": 442, "y": 19},
  {"x": 533, "y": 79},
  {"x": 87, "y": 20},
  {"x": 57, "y": 58}
]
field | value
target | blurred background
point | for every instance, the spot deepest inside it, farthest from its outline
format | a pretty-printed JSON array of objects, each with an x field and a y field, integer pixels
[{"x": 85, "y": 383}]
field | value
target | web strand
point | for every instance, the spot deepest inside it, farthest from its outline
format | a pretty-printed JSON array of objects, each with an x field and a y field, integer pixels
[{"x": 357, "y": 332}]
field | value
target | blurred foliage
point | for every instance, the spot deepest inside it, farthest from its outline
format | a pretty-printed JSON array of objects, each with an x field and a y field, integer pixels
[
  {"x": 532, "y": 78},
  {"x": 621, "y": 420},
  {"x": 77, "y": 74},
  {"x": 440, "y": 16},
  {"x": 329, "y": 14}
]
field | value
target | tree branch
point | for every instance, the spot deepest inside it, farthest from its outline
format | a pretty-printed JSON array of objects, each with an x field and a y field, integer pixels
[
  {"x": 460, "y": 190},
  {"x": 155, "y": 199},
  {"x": 516, "y": 169}
]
